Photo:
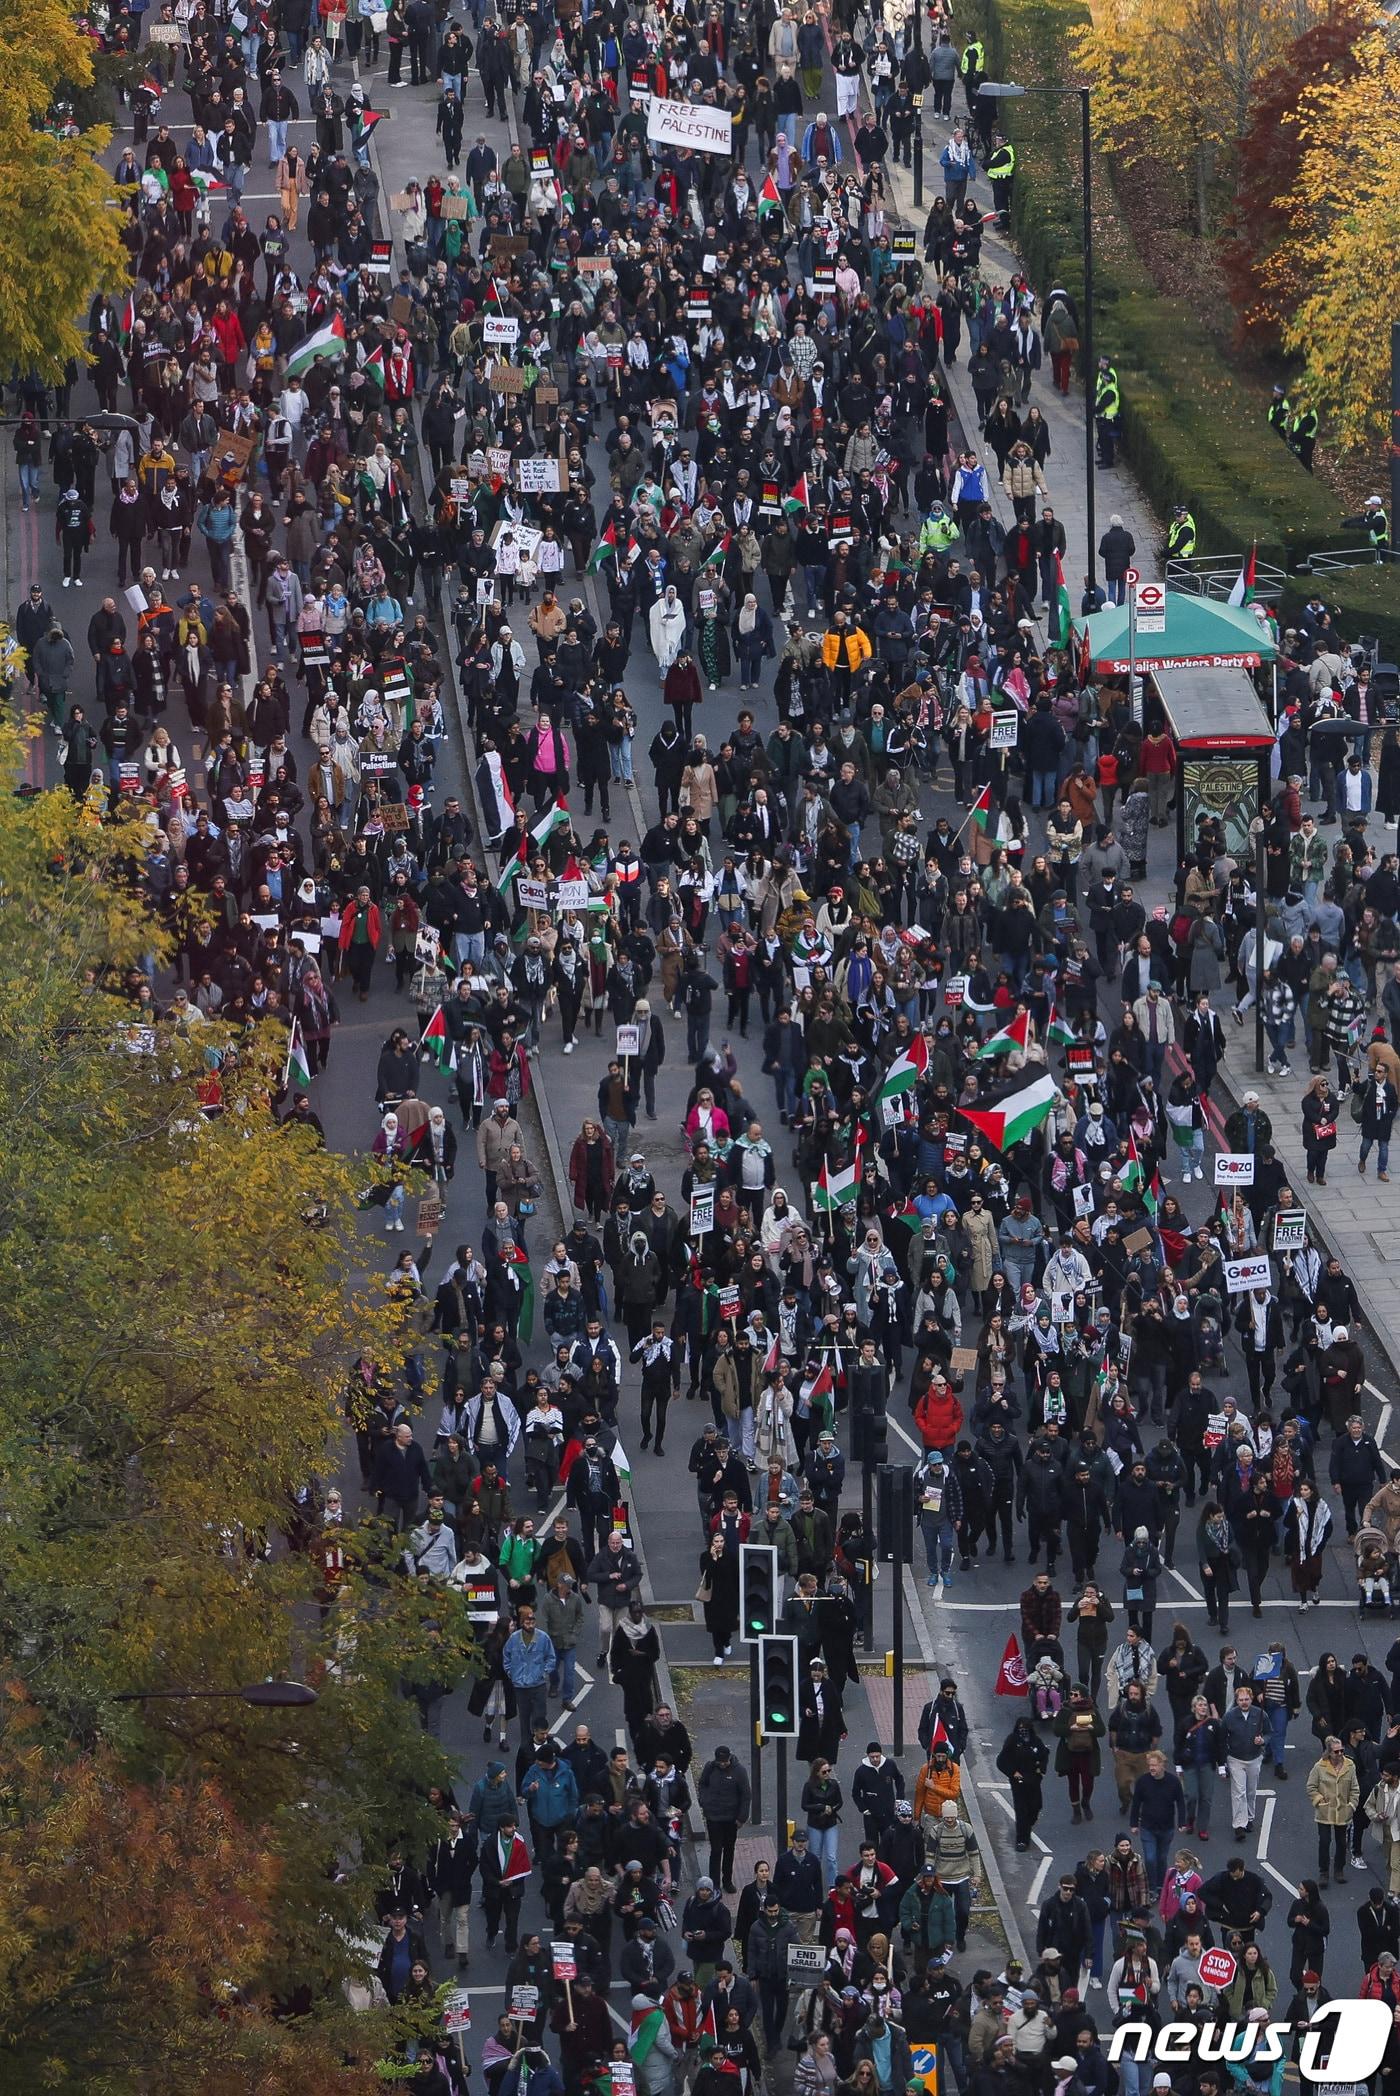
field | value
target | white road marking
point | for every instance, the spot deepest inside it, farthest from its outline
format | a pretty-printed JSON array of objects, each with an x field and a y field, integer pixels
[
  {"x": 1278, "y": 1876},
  {"x": 1040, "y": 1877},
  {"x": 1184, "y": 1583},
  {"x": 1266, "y": 1826}
]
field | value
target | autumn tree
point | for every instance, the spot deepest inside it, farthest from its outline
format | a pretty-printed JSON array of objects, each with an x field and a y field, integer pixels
[
  {"x": 1333, "y": 278},
  {"x": 181, "y": 1312},
  {"x": 1270, "y": 158},
  {"x": 1173, "y": 79},
  {"x": 60, "y": 237}
]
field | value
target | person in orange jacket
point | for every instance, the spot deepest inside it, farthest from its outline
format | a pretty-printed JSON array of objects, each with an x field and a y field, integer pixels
[
  {"x": 940, "y": 1778},
  {"x": 845, "y": 648}
]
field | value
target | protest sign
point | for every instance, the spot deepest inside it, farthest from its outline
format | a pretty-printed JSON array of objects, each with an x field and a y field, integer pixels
[
  {"x": 682, "y": 124},
  {"x": 1243, "y": 1274}
]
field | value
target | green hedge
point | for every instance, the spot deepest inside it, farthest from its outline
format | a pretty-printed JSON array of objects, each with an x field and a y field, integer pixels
[{"x": 1193, "y": 431}]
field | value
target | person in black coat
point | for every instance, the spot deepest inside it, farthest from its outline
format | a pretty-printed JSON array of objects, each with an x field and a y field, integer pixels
[
  {"x": 404, "y": 1947},
  {"x": 1023, "y": 1760},
  {"x": 822, "y": 1723},
  {"x": 400, "y": 1474}
]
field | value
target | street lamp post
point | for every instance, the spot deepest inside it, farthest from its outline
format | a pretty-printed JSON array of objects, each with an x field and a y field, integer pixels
[
  {"x": 1004, "y": 90},
  {"x": 263, "y": 1695}
]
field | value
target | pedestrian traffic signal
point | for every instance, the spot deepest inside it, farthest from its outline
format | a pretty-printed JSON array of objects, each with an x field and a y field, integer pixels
[
  {"x": 894, "y": 1502},
  {"x": 777, "y": 1686},
  {"x": 758, "y": 1591}
]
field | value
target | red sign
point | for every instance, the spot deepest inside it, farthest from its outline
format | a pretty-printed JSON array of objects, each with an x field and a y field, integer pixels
[{"x": 1217, "y": 1968}]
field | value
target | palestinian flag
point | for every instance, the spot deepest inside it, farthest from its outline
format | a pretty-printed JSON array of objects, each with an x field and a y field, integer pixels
[
  {"x": 555, "y": 816},
  {"x": 819, "y": 1391},
  {"x": 158, "y": 174},
  {"x": 906, "y": 1070},
  {"x": 1060, "y": 622},
  {"x": 327, "y": 343},
  {"x": 513, "y": 1256},
  {"x": 770, "y": 198},
  {"x": 772, "y": 1358},
  {"x": 607, "y": 544},
  {"x": 206, "y": 185},
  {"x": 434, "y": 1042},
  {"x": 1016, "y": 1117},
  {"x": 1243, "y": 591},
  {"x": 834, "y": 1189},
  {"x": 368, "y": 118},
  {"x": 1059, "y": 1033},
  {"x": 709, "y": 2032},
  {"x": 716, "y": 557},
  {"x": 939, "y": 1737},
  {"x": 981, "y": 810},
  {"x": 513, "y": 866},
  {"x": 647, "y": 2026},
  {"x": 621, "y": 1464},
  {"x": 298, "y": 1068},
  {"x": 799, "y": 501},
  {"x": 1016, "y": 1035},
  {"x": 1135, "y": 1180}
]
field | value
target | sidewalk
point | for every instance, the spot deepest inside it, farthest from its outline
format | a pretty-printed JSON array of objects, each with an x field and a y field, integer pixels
[{"x": 1115, "y": 491}]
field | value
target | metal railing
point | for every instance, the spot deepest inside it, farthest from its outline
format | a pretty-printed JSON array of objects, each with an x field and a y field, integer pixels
[
  {"x": 1215, "y": 575},
  {"x": 1350, "y": 557}
]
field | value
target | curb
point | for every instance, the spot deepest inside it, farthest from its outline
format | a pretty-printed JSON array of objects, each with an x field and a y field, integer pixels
[{"x": 1006, "y": 1910}]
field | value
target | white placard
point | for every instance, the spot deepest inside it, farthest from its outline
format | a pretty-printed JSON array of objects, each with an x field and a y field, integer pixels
[
  {"x": 1006, "y": 726},
  {"x": 1290, "y": 1229},
  {"x": 1241, "y": 1275},
  {"x": 1234, "y": 1168},
  {"x": 679, "y": 124},
  {"x": 572, "y": 895},
  {"x": 702, "y": 1210},
  {"x": 498, "y": 461},
  {"x": 500, "y": 328},
  {"x": 532, "y": 895},
  {"x": 629, "y": 1040},
  {"x": 457, "y": 2011},
  {"x": 538, "y": 476}
]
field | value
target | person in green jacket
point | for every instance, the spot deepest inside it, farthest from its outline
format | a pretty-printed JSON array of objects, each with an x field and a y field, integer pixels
[
  {"x": 926, "y": 1917},
  {"x": 1181, "y": 534},
  {"x": 1001, "y": 167},
  {"x": 517, "y": 1562},
  {"x": 1108, "y": 406}
]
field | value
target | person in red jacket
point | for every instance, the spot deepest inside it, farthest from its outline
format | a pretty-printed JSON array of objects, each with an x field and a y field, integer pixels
[
  {"x": 939, "y": 1416},
  {"x": 361, "y": 928},
  {"x": 228, "y": 332}
]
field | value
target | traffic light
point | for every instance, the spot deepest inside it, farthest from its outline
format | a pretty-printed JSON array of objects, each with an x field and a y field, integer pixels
[
  {"x": 870, "y": 1439},
  {"x": 758, "y": 1591},
  {"x": 777, "y": 1686},
  {"x": 894, "y": 1506}
]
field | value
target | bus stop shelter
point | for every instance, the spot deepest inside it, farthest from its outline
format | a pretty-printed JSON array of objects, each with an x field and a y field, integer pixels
[
  {"x": 1200, "y": 635},
  {"x": 1200, "y": 670},
  {"x": 1224, "y": 744}
]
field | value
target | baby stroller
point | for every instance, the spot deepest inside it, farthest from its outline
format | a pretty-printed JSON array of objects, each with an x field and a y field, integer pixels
[
  {"x": 1046, "y": 1684},
  {"x": 1375, "y": 1582}
]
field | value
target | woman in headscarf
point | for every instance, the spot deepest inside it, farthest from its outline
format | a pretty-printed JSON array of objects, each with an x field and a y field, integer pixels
[
  {"x": 753, "y": 639},
  {"x": 666, "y": 625}
]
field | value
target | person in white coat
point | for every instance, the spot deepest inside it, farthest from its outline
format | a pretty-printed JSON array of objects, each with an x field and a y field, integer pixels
[{"x": 667, "y": 624}]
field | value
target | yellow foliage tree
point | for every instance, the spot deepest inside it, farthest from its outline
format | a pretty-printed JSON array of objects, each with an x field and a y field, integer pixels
[
  {"x": 1172, "y": 79},
  {"x": 1334, "y": 276},
  {"x": 178, "y": 1331},
  {"x": 60, "y": 227}
]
